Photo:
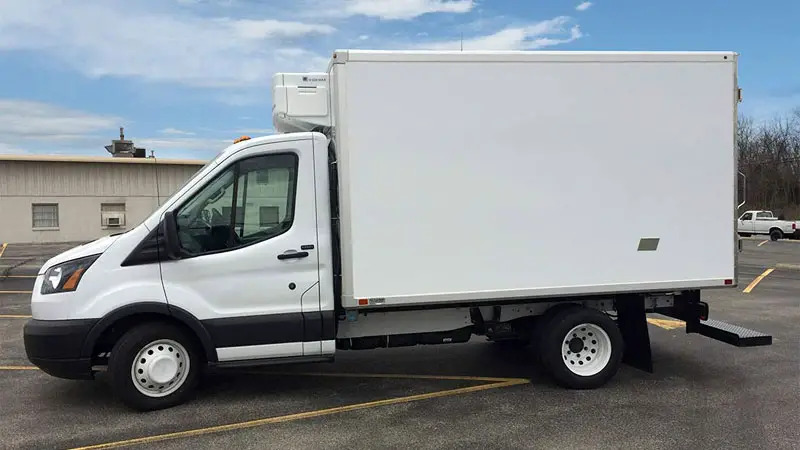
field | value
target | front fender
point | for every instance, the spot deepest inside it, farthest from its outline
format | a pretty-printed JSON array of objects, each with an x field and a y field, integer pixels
[{"x": 149, "y": 308}]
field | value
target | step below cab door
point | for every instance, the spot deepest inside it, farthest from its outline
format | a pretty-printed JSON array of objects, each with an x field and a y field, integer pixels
[{"x": 248, "y": 265}]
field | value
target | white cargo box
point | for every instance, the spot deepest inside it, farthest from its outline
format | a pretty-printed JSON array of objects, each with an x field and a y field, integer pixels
[{"x": 471, "y": 175}]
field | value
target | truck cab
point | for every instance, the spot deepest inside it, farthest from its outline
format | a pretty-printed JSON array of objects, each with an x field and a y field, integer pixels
[
  {"x": 764, "y": 222},
  {"x": 187, "y": 286}
]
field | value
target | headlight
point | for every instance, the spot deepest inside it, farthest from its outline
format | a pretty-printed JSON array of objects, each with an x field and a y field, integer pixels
[{"x": 66, "y": 276}]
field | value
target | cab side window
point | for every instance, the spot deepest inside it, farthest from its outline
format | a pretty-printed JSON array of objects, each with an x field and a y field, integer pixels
[
  {"x": 747, "y": 216},
  {"x": 250, "y": 201},
  {"x": 265, "y": 202}
]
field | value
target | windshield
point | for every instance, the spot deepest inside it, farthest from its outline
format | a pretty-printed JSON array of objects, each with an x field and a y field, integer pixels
[
  {"x": 218, "y": 190},
  {"x": 191, "y": 180},
  {"x": 200, "y": 170}
]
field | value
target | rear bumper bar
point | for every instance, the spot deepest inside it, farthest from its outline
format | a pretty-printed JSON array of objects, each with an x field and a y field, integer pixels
[
  {"x": 694, "y": 312},
  {"x": 731, "y": 334}
]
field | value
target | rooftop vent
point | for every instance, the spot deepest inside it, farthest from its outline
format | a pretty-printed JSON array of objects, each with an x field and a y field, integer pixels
[{"x": 123, "y": 148}]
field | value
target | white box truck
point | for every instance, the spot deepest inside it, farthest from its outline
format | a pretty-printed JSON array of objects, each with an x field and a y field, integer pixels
[{"x": 423, "y": 198}]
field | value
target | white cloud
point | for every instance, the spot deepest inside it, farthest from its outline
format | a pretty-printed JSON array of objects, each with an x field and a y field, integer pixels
[
  {"x": 395, "y": 9},
  {"x": 155, "y": 45},
  {"x": 176, "y": 131},
  {"x": 36, "y": 127},
  {"x": 264, "y": 29},
  {"x": 25, "y": 119},
  {"x": 584, "y": 6},
  {"x": 233, "y": 47},
  {"x": 166, "y": 147},
  {"x": 534, "y": 36},
  {"x": 6, "y": 149}
]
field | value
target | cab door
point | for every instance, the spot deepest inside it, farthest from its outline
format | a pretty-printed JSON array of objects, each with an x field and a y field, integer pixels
[
  {"x": 746, "y": 223},
  {"x": 248, "y": 239}
]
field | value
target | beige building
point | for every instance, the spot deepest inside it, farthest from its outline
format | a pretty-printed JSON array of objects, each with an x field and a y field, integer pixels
[{"x": 66, "y": 199}]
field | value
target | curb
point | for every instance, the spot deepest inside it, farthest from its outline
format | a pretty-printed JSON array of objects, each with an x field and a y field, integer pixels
[{"x": 788, "y": 266}]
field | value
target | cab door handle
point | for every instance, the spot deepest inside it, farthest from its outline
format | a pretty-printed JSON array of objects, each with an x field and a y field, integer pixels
[{"x": 291, "y": 254}]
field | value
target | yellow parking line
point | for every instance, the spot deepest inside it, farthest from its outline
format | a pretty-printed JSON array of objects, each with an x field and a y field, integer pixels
[
  {"x": 18, "y": 368},
  {"x": 14, "y": 316},
  {"x": 16, "y": 292},
  {"x": 310, "y": 414},
  {"x": 755, "y": 282},
  {"x": 3, "y": 249},
  {"x": 666, "y": 323},
  {"x": 763, "y": 242},
  {"x": 17, "y": 276}
]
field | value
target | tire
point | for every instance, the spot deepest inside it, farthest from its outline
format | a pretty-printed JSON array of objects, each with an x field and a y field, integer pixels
[
  {"x": 171, "y": 382},
  {"x": 588, "y": 328},
  {"x": 775, "y": 235}
]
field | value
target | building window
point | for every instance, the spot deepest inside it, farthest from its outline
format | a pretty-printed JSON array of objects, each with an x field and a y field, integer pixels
[
  {"x": 45, "y": 215},
  {"x": 262, "y": 177},
  {"x": 269, "y": 216}
]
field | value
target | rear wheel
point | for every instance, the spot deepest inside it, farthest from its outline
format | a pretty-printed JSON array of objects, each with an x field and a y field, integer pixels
[
  {"x": 581, "y": 348},
  {"x": 154, "y": 366},
  {"x": 775, "y": 235}
]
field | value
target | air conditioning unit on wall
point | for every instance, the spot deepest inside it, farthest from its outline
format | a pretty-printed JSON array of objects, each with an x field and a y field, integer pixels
[{"x": 113, "y": 219}]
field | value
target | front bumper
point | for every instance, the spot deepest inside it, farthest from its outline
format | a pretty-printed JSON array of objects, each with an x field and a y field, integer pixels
[{"x": 55, "y": 346}]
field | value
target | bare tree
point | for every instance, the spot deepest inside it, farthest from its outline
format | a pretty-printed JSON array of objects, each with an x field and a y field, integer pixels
[{"x": 769, "y": 156}]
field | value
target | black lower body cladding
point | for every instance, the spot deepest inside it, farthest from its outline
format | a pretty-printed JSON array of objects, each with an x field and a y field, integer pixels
[{"x": 54, "y": 346}]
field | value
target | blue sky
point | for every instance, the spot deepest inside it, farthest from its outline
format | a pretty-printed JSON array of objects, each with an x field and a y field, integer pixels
[{"x": 185, "y": 77}]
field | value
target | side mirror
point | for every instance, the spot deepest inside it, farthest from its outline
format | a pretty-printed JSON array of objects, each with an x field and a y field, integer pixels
[{"x": 169, "y": 229}]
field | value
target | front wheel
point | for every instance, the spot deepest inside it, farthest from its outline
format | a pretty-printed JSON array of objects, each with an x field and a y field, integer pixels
[
  {"x": 581, "y": 348},
  {"x": 154, "y": 366}
]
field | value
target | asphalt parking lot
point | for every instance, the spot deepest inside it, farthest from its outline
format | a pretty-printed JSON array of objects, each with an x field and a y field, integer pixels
[{"x": 703, "y": 394}]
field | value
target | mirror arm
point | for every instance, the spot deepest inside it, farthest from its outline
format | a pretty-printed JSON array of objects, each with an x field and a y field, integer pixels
[{"x": 170, "y": 234}]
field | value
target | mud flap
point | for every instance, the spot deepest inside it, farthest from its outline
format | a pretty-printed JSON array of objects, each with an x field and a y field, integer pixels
[{"x": 632, "y": 322}]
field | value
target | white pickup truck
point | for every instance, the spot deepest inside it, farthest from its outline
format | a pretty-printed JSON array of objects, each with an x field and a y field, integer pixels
[{"x": 764, "y": 222}]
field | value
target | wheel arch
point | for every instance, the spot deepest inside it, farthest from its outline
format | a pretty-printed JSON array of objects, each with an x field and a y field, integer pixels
[{"x": 118, "y": 321}]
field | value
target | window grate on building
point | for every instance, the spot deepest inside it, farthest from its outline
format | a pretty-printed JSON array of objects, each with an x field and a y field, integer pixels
[{"x": 45, "y": 215}]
